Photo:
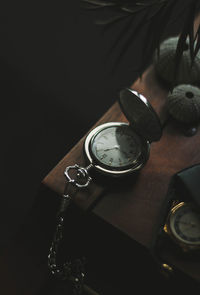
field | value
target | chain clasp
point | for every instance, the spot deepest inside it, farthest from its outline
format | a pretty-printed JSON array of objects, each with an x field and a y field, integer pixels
[{"x": 83, "y": 178}]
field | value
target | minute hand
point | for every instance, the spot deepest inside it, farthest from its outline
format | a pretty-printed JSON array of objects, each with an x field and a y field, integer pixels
[{"x": 113, "y": 148}]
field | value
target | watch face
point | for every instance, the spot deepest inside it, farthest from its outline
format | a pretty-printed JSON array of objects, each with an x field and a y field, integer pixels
[
  {"x": 185, "y": 224},
  {"x": 116, "y": 147}
]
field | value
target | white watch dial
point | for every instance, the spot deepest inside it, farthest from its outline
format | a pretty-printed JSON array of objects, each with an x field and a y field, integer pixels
[
  {"x": 116, "y": 146},
  {"x": 185, "y": 224}
]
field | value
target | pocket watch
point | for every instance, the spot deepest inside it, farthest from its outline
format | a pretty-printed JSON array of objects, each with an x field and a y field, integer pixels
[
  {"x": 113, "y": 149},
  {"x": 183, "y": 225},
  {"x": 117, "y": 148}
]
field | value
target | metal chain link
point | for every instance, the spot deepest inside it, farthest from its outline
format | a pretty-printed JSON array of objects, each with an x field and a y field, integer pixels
[{"x": 72, "y": 271}]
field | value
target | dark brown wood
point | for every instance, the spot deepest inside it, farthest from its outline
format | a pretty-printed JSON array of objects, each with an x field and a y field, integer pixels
[
  {"x": 135, "y": 211},
  {"x": 133, "y": 206}
]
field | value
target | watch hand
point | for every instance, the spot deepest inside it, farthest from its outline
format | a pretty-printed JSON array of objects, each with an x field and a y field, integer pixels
[{"x": 116, "y": 147}]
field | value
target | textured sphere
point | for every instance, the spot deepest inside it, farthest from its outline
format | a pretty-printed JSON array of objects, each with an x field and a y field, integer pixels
[
  {"x": 164, "y": 64},
  {"x": 184, "y": 104}
]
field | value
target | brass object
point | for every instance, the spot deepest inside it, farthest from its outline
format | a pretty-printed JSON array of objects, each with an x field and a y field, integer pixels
[
  {"x": 183, "y": 226},
  {"x": 167, "y": 267},
  {"x": 166, "y": 270}
]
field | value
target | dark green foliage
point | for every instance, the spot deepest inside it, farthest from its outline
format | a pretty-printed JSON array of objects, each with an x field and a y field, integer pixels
[{"x": 156, "y": 13}]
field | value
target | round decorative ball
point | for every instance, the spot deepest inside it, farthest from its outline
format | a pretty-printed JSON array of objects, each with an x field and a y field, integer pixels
[
  {"x": 184, "y": 104},
  {"x": 165, "y": 64}
]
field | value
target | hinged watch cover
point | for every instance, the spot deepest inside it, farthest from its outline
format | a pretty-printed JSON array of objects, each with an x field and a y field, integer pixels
[{"x": 140, "y": 114}]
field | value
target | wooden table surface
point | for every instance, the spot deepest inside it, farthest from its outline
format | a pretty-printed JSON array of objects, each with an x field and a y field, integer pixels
[{"x": 133, "y": 205}]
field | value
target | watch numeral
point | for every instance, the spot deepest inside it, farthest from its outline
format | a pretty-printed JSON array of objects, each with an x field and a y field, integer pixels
[
  {"x": 111, "y": 160},
  {"x": 103, "y": 156}
]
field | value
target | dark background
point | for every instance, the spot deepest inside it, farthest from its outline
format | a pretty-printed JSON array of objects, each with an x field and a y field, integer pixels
[{"x": 56, "y": 82}]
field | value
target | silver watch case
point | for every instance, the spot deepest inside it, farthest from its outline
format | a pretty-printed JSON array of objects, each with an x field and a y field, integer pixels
[{"x": 142, "y": 120}]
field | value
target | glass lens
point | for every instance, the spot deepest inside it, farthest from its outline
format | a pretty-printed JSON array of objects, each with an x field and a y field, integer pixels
[
  {"x": 185, "y": 224},
  {"x": 116, "y": 146}
]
